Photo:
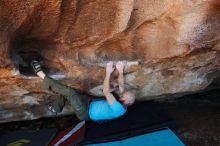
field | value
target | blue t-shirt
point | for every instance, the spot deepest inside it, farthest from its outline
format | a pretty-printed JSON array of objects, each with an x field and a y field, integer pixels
[{"x": 101, "y": 110}]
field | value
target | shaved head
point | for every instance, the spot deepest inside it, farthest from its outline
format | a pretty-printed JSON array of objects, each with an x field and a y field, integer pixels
[{"x": 128, "y": 98}]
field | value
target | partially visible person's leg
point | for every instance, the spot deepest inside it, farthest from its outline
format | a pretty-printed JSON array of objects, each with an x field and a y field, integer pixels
[
  {"x": 55, "y": 86},
  {"x": 58, "y": 104},
  {"x": 80, "y": 105}
]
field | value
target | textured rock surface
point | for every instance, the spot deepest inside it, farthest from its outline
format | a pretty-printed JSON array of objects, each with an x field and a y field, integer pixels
[{"x": 176, "y": 43}]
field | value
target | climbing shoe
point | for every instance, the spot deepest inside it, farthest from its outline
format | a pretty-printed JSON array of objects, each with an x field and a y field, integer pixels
[
  {"x": 50, "y": 107},
  {"x": 36, "y": 66}
]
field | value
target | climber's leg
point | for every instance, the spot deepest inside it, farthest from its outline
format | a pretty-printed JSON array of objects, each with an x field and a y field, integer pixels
[{"x": 80, "y": 104}]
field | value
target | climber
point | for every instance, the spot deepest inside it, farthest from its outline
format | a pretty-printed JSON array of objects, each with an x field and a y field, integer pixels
[{"x": 85, "y": 109}]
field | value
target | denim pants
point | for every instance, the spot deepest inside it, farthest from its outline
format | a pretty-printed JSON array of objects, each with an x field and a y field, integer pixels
[{"x": 79, "y": 103}]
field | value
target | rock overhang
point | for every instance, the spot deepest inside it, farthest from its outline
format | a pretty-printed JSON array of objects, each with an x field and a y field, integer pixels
[{"x": 176, "y": 45}]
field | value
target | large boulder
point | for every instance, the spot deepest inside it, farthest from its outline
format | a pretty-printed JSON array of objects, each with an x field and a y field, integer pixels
[{"x": 171, "y": 47}]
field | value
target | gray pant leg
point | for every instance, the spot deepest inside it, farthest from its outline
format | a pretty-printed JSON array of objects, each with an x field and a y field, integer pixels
[
  {"x": 59, "y": 103},
  {"x": 80, "y": 105}
]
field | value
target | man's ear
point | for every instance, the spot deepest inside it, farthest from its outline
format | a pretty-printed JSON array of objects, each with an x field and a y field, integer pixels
[{"x": 120, "y": 99}]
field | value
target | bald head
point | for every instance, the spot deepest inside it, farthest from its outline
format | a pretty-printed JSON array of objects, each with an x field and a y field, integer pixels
[{"x": 127, "y": 98}]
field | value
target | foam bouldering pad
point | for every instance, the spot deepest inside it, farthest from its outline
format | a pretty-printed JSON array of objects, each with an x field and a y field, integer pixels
[
  {"x": 69, "y": 136},
  {"x": 140, "y": 118},
  {"x": 164, "y": 137},
  {"x": 28, "y": 137}
]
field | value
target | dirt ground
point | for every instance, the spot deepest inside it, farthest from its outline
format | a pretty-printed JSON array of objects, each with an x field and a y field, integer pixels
[{"x": 197, "y": 117}]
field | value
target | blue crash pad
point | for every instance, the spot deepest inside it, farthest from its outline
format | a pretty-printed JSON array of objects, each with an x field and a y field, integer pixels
[{"x": 163, "y": 137}]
